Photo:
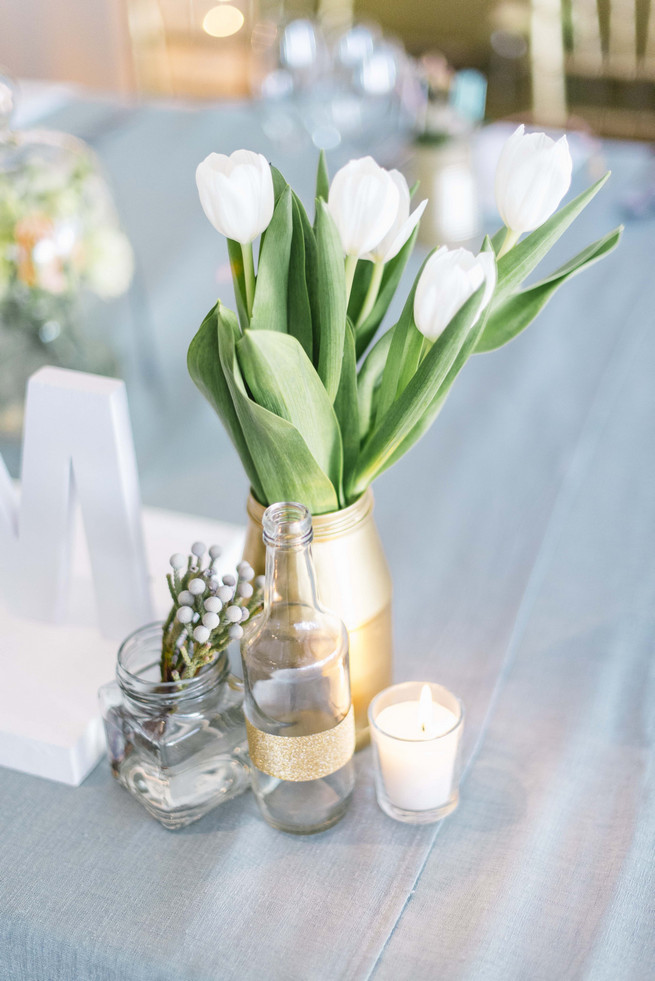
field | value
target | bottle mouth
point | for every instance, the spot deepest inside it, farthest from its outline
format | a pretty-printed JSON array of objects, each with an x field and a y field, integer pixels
[{"x": 287, "y": 524}]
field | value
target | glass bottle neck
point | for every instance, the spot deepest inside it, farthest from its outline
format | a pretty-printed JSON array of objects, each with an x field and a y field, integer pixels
[{"x": 289, "y": 576}]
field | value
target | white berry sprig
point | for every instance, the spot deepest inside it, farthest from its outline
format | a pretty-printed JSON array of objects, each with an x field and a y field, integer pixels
[{"x": 207, "y": 612}]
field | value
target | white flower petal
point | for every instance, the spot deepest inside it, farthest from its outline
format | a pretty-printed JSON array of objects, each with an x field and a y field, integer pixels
[
  {"x": 236, "y": 193},
  {"x": 533, "y": 175},
  {"x": 449, "y": 279},
  {"x": 363, "y": 202}
]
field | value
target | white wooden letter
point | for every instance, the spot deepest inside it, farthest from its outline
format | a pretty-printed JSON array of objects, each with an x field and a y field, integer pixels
[{"x": 77, "y": 442}]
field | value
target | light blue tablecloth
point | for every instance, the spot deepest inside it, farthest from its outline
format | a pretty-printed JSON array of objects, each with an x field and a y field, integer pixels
[{"x": 520, "y": 533}]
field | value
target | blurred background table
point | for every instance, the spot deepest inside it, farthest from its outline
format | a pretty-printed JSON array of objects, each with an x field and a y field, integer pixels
[{"x": 520, "y": 534}]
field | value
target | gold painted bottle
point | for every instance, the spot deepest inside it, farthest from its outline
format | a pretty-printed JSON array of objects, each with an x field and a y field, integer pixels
[{"x": 299, "y": 716}]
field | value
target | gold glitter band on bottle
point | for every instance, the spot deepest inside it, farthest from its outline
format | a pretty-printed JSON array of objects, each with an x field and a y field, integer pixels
[{"x": 299, "y": 758}]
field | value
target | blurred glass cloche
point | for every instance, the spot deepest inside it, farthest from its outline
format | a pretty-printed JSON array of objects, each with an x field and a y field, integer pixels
[{"x": 61, "y": 248}]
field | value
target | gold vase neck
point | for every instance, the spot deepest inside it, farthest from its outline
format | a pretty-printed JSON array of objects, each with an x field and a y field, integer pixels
[{"x": 326, "y": 526}]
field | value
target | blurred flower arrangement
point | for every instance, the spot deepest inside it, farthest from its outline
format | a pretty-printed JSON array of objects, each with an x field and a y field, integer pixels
[
  {"x": 316, "y": 406},
  {"x": 58, "y": 234},
  {"x": 60, "y": 245},
  {"x": 207, "y": 610}
]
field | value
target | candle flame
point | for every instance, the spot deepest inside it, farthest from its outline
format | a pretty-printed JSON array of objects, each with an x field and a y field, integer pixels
[{"x": 425, "y": 708}]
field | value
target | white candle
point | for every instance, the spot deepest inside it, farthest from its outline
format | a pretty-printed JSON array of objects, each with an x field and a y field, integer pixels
[{"x": 417, "y": 741}]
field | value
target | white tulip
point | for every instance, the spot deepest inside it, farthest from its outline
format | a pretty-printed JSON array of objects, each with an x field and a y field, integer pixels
[
  {"x": 448, "y": 279},
  {"x": 533, "y": 175},
  {"x": 363, "y": 203},
  {"x": 403, "y": 223},
  {"x": 236, "y": 193}
]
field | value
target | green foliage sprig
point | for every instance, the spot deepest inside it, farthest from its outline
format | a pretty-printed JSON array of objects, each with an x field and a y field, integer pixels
[{"x": 207, "y": 610}]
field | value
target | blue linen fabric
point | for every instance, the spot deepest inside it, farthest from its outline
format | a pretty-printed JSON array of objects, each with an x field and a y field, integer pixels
[{"x": 520, "y": 534}]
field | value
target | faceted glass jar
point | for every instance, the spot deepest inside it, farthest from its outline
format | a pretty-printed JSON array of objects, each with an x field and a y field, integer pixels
[
  {"x": 298, "y": 705},
  {"x": 179, "y": 747}
]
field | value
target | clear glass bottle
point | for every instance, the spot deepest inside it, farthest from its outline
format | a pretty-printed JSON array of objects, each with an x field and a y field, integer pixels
[
  {"x": 299, "y": 715},
  {"x": 179, "y": 747}
]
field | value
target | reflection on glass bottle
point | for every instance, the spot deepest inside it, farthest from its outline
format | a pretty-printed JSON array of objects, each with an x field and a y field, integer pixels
[{"x": 299, "y": 716}]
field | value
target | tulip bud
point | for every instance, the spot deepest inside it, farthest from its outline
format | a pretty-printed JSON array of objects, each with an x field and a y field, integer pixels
[
  {"x": 403, "y": 223},
  {"x": 236, "y": 193},
  {"x": 363, "y": 203},
  {"x": 448, "y": 279},
  {"x": 533, "y": 175}
]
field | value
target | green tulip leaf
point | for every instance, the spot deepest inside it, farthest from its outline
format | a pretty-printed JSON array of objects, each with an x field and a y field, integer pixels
[
  {"x": 279, "y": 183},
  {"x": 279, "y": 187},
  {"x": 206, "y": 371},
  {"x": 437, "y": 403},
  {"x": 497, "y": 239},
  {"x": 269, "y": 311},
  {"x": 391, "y": 277},
  {"x": 522, "y": 259},
  {"x": 311, "y": 273},
  {"x": 404, "y": 354},
  {"x": 322, "y": 178},
  {"x": 585, "y": 258},
  {"x": 515, "y": 313},
  {"x": 283, "y": 380},
  {"x": 346, "y": 408},
  {"x": 236, "y": 265},
  {"x": 299, "y": 313},
  {"x": 410, "y": 407},
  {"x": 369, "y": 379},
  {"x": 331, "y": 300},
  {"x": 285, "y": 466},
  {"x": 359, "y": 288}
]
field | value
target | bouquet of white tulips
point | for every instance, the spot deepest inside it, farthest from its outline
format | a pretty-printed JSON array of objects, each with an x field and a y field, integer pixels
[{"x": 316, "y": 405}]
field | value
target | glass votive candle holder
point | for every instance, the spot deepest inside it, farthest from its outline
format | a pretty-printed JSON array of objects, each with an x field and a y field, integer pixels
[{"x": 416, "y": 732}]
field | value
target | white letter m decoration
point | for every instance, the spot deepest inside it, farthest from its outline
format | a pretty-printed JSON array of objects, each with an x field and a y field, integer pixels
[{"x": 77, "y": 442}]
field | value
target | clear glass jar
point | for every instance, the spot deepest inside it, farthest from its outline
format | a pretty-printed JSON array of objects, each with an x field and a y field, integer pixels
[
  {"x": 179, "y": 747},
  {"x": 299, "y": 715}
]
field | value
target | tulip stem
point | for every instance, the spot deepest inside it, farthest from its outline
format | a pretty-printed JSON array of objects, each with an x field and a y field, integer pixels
[
  {"x": 511, "y": 238},
  {"x": 372, "y": 292},
  {"x": 351, "y": 266},
  {"x": 248, "y": 275}
]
